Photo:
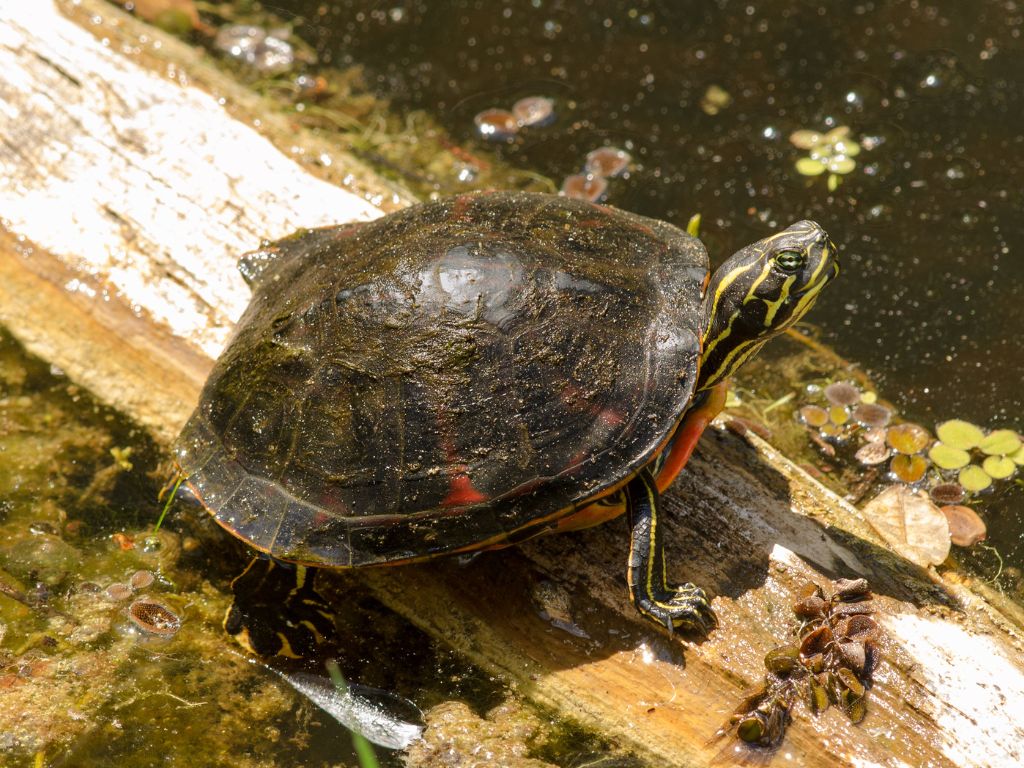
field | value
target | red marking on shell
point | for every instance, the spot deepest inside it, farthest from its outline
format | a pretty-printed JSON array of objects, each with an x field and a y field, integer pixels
[{"x": 462, "y": 492}]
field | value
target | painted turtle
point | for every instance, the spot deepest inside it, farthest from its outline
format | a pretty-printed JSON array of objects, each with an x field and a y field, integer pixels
[{"x": 470, "y": 373}]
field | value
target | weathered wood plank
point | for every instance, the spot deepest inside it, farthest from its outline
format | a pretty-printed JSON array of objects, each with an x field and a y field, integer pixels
[{"x": 127, "y": 199}]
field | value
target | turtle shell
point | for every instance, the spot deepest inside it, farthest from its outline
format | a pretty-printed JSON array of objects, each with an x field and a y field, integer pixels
[{"x": 460, "y": 374}]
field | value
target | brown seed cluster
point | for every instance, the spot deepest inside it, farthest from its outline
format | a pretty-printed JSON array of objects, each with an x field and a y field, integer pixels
[{"x": 830, "y": 664}]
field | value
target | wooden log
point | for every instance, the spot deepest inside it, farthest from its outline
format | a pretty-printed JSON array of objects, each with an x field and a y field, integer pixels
[{"x": 128, "y": 196}]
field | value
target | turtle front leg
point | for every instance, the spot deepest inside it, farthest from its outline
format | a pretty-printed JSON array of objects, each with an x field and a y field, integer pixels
[
  {"x": 277, "y": 611},
  {"x": 673, "y": 607}
]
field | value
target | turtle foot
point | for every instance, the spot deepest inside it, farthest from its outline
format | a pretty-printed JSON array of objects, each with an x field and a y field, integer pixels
[{"x": 685, "y": 609}]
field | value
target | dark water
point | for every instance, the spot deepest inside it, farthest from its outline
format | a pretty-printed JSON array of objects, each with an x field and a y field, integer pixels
[{"x": 931, "y": 300}]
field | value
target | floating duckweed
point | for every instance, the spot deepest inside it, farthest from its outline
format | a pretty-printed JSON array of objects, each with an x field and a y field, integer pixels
[
  {"x": 838, "y": 415},
  {"x": 842, "y": 393},
  {"x": 808, "y": 166},
  {"x": 908, "y": 438},
  {"x": 814, "y": 416},
  {"x": 584, "y": 187},
  {"x": 948, "y": 457},
  {"x": 607, "y": 162},
  {"x": 750, "y": 729},
  {"x": 841, "y": 164},
  {"x": 715, "y": 99},
  {"x": 872, "y": 415},
  {"x": 947, "y": 493},
  {"x": 965, "y": 527},
  {"x": 998, "y": 467},
  {"x": 497, "y": 124},
  {"x": 868, "y": 397},
  {"x": 909, "y": 469},
  {"x": 872, "y": 453},
  {"x": 534, "y": 111},
  {"x": 957, "y": 433},
  {"x": 1001, "y": 442},
  {"x": 974, "y": 479},
  {"x": 154, "y": 617},
  {"x": 1018, "y": 457}
]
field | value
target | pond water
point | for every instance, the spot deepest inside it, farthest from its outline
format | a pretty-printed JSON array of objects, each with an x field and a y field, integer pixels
[
  {"x": 931, "y": 299},
  {"x": 704, "y": 98}
]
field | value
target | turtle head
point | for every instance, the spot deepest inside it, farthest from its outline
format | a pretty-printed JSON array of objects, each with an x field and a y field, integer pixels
[{"x": 760, "y": 291}]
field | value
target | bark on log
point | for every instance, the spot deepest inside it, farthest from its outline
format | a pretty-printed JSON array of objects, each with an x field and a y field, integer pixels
[{"x": 128, "y": 196}]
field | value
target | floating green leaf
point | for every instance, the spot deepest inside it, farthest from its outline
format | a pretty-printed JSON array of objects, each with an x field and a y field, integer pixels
[
  {"x": 948, "y": 457},
  {"x": 1001, "y": 442},
  {"x": 974, "y": 479},
  {"x": 841, "y": 164},
  {"x": 1018, "y": 457},
  {"x": 957, "y": 433},
  {"x": 807, "y": 166},
  {"x": 804, "y": 139},
  {"x": 998, "y": 467}
]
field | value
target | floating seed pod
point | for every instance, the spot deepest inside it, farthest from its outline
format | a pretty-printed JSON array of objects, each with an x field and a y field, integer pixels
[
  {"x": 842, "y": 393},
  {"x": 607, "y": 162},
  {"x": 871, "y": 454},
  {"x": 118, "y": 592},
  {"x": 154, "y": 617},
  {"x": 958, "y": 433},
  {"x": 948, "y": 457},
  {"x": 947, "y": 493},
  {"x": 965, "y": 527},
  {"x": 872, "y": 415},
  {"x": 814, "y": 416},
  {"x": 584, "y": 187},
  {"x": 141, "y": 579},
  {"x": 534, "y": 111},
  {"x": 497, "y": 124},
  {"x": 908, "y": 438}
]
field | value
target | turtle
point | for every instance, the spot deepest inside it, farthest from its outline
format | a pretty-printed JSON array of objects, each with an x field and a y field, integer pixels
[{"x": 469, "y": 373}]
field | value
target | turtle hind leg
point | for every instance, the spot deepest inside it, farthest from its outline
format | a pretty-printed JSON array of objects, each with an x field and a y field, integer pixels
[
  {"x": 682, "y": 607},
  {"x": 277, "y": 611}
]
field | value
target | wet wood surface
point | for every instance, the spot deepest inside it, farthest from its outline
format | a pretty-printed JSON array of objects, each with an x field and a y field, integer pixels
[{"x": 127, "y": 283}]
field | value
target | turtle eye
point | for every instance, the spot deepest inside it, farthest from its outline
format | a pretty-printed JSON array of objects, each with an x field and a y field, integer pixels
[{"x": 791, "y": 261}]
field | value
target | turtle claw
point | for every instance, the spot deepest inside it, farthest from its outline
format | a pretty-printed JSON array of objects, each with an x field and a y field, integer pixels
[{"x": 685, "y": 609}]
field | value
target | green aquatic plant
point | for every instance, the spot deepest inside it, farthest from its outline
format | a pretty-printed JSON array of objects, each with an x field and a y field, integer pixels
[{"x": 833, "y": 152}]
